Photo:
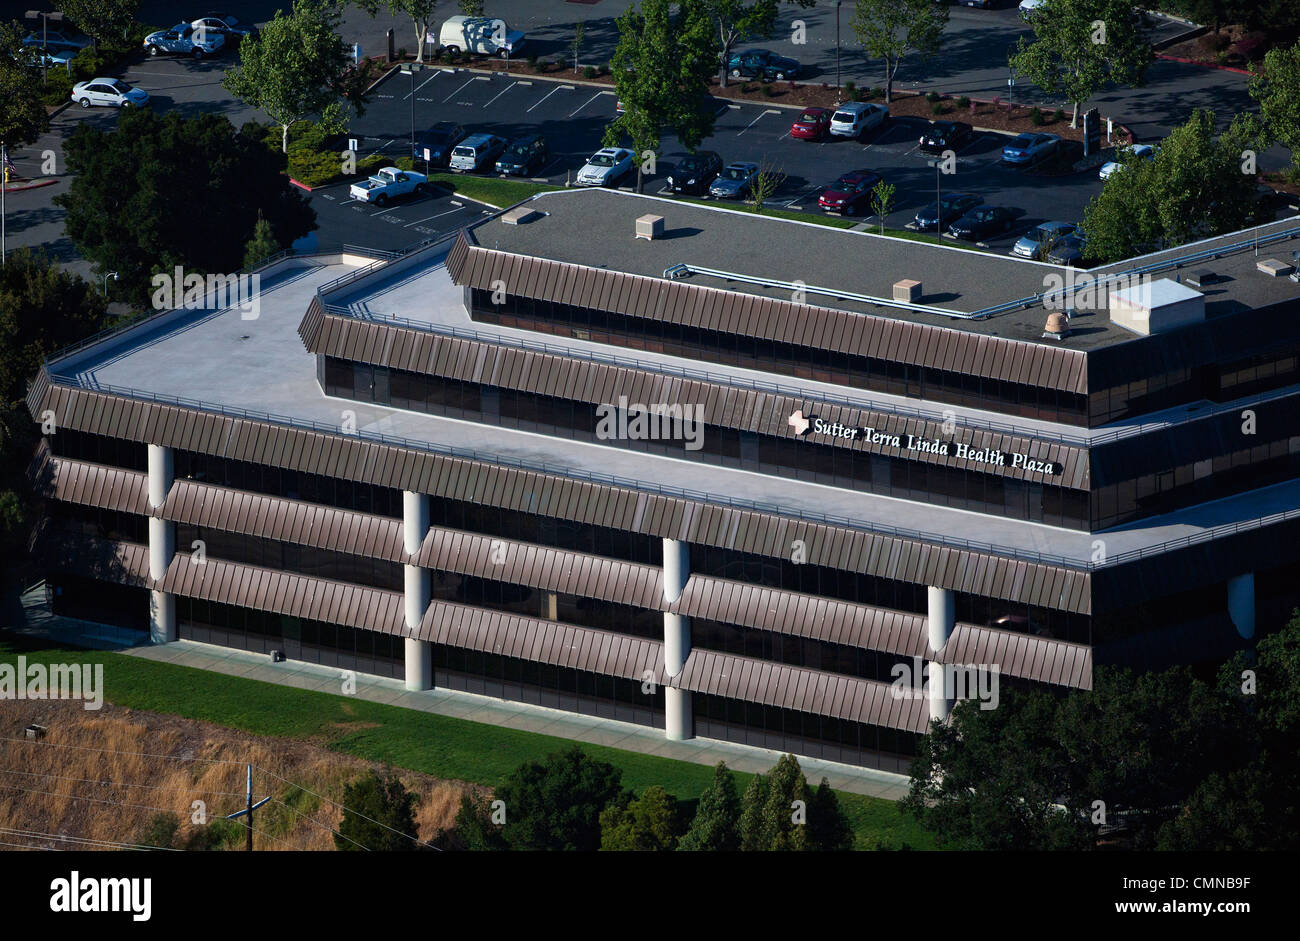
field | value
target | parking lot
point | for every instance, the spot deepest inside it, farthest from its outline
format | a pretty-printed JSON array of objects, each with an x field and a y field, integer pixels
[{"x": 573, "y": 117}]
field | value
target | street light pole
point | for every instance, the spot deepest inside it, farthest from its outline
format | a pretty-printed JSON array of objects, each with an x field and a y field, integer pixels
[
  {"x": 837, "y": 48},
  {"x": 111, "y": 274},
  {"x": 45, "y": 39},
  {"x": 4, "y": 185}
]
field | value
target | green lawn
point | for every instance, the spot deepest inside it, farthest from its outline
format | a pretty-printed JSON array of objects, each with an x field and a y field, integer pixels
[{"x": 441, "y": 746}]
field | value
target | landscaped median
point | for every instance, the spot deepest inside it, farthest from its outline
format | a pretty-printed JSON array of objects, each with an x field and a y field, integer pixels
[{"x": 441, "y": 746}]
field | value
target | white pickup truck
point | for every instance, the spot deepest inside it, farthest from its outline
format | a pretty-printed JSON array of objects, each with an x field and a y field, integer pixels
[{"x": 389, "y": 183}]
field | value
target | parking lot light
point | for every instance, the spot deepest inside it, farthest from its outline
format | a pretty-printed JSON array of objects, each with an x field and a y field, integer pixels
[
  {"x": 938, "y": 202},
  {"x": 45, "y": 38},
  {"x": 838, "y": 93}
]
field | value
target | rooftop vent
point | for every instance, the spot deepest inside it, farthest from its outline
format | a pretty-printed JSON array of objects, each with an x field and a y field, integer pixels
[
  {"x": 1202, "y": 278},
  {"x": 1154, "y": 306},
  {"x": 650, "y": 227},
  {"x": 520, "y": 215},
  {"x": 1058, "y": 326},
  {"x": 1274, "y": 268}
]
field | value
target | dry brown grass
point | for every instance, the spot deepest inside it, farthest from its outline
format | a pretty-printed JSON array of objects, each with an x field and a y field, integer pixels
[{"x": 158, "y": 763}]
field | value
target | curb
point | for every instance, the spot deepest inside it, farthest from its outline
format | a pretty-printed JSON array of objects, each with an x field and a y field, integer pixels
[
  {"x": 30, "y": 185},
  {"x": 1204, "y": 65}
]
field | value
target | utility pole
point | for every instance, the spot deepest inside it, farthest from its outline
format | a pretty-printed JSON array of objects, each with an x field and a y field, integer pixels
[{"x": 247, "y": 812}]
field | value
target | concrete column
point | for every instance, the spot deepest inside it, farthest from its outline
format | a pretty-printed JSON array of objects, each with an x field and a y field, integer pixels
[
  {"x": 942, "y": 615},
  {"x": 162, "y": 546},
  {"x": 678, "y": 724},
  {"x": 419, "y": 653},
  {"x": 1241, "y": 603},
  {"x": 550, "y": 606}
]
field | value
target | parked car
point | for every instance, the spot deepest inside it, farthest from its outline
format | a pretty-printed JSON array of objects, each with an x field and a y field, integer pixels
[
  {"x": 695, "y": 172},
  {"x": 855, "y": 118},
  {"x": 851, "y": 193},
  {"x": 982, "y": 222},
  {"x": 606, "y": 167},
  {"x": 110, "y": 93},
  {"x": 1040, "y": 237},
  {"x": 184, "y": 39},
  {"x": 1068, "y": 250},
  {"x": 438, "y": 139},
  {"x": 950, "y": 207},
  {"x": 946, "y": 135},
  {"x": 1028, "y": 8},
  {"x": 231, "y": 27},
  {"x": 812, "y": 124},
  {"x": 60, "y": 35},
  {"x": 476, "y": 152},
  {"x": 479, "y": 35},
  {"x": 763, "y": 64},
  {"x": 736, "y": 181},
  {"x": 51, "y": 55},
  {"x": 523, "y": 156},
  {"x": 1135, "y": 152},
  {"x": 388, "y": 184},
  {"x": 1031, "y": 148}
]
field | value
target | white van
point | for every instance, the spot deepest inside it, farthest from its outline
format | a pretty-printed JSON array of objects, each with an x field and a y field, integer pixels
[
  {"x": 855, "y": 118},
  {"x": 476, "y": 152},
  {"x": 479, "y": 35}
]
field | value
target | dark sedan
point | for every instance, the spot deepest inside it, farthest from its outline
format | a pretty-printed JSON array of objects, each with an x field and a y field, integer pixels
[
  {"x": 695, "y": 172},
  {"x": 438, "y": 140},
  {"x": 982, "y": 222},
  {"x": 763, "y": 64},
  {"x": 851, "y": 193},
  {"x": 946, "y": 135},
  {"x": 523, "y": 156},
  {"x": 951, "y": 206}
]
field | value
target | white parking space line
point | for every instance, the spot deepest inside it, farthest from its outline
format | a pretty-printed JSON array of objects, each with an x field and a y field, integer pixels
[
  {"x": 389, "y": 207},
  {"x": 458, "y": 90},
  {"x": 549, "y": 94},
  {"x": 422, "y": 84},
  {"x": 589, "y": 101},
  {"x": 438, "y": 216},
  {"x": 502, "y": 92},
  {"x": 756, "y": 120}
]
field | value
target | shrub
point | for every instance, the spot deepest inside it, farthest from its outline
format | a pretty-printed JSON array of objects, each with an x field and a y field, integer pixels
[
  {"x": 1058, "y": 115},
  {"x": 1036, "y": 116},
  {"x": 532, "y": 62},
  {"x": 850, "y": 89},
  {"x": 768, "y": 91},
  {"x": 401, "y": 53},
  {"x": 932, "y": 96},
  {"x": 590, "y": 72},
  {"x": 936, "y": 107},
  {"x": 963, "y": 102},
  {"x": 877, "y": 93}
]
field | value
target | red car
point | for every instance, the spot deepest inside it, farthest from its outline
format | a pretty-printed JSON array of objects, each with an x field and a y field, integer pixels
[
  {"x": 813, "y": 124},
  {"x": 851, "y": 193}
]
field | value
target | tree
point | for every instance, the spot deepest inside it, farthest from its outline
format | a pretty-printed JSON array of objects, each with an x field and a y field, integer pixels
[
  {"x": 575, "y": 44},
  {"x": 473, "y": 828},
  {"x": 471, "y": 7},
  {"x": 555, "y": 804},
  {"x": 101, "y": 19},
  {"x": 1276, "y": 86},
  {"x": 766, "y": 182},
  {"x": 262, "y": 245},
  {"x": 738, "y": 22},
  {"x": 1081, "y": 46},
  {"x": 378, "y": 814},
  {"x": 661, "y": 69},
  {"x": 828, "y": 829},
  {"x": 137, "y": 191},
  {"x": 882, "y": 201},
  {"x": 650, "y": 822},
  {"x": 23, "y": 118},
  {"x": 296, "y": 67},
  {"x": 751, "y": 814},
  {"x": 785, "y": 810},
  {"x": 716, "y": 826},
  {"x": 891, "y": 30},
  {"x": 420, "y": 13},
  {"x": 1198, "y": 185}
]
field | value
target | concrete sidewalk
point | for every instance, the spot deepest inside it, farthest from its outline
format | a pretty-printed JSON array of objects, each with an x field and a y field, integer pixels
[{"x": 514, "y": 715}]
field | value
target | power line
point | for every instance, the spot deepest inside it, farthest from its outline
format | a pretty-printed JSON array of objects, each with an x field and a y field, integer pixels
[
  {"x": 317, "y": 823},
  {"x": 344, "y": 807},
  {"x": 68, "y": 838},
  {"x": 155, "y": 787}
]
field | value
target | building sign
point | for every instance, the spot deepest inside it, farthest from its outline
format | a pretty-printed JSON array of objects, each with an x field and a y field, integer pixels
[{"x": 989, "y": 457}]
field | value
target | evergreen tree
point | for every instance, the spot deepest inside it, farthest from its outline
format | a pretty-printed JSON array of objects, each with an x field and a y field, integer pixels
[
  {"x": 555, "y": 804},
  {"x": 473, "y": 828},
  {"x": 648, "y": 823},
  {"x": 378, "y": 814},
  {"x": 716, "y": 827},
  {"x": 751, "y": 815},
  {"x": 828, "y": 827},
  {"x": 262, "y": 245},
  {"x": 784, "y": 822}
]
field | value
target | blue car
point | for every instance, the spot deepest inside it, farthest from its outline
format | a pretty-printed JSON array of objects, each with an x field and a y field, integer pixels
[{"x": 1031, "y": 148}]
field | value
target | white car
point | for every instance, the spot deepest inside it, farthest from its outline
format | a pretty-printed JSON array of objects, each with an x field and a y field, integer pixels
[
  {"x": 1029, "y": 7},
  {"x": 1139, "y": 151},
  {"x": 109, "y": 93},
  {"x": 855, "y": 118},
  {"x": 387, "y": 184},
  {"x": 606, "y": 167}
]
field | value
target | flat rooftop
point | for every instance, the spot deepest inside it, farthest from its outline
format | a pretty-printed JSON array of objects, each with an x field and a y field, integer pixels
[
  {"x": 216, "y": 360},
  {"x": 595, "y": 226}
]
